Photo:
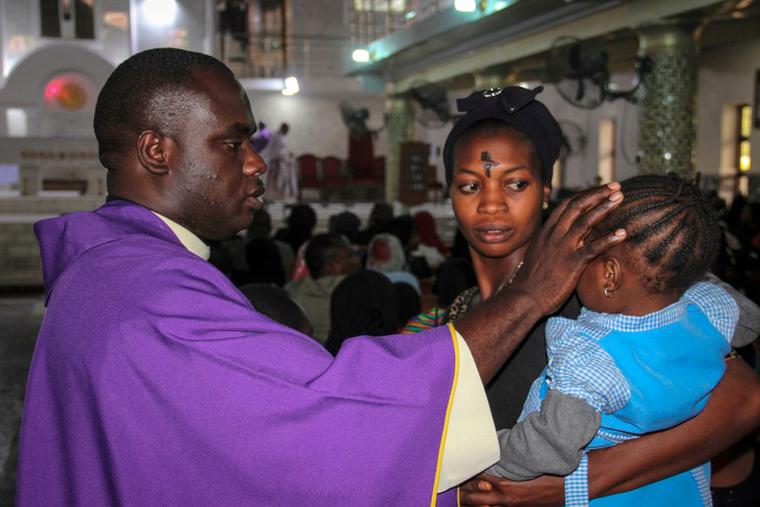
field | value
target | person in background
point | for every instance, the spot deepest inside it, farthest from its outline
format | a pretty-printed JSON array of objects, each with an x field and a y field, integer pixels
[
  {"x": 379, "y": 219},
  {"x": 261, "y": 138},
  {"x": 386, "y": 255},
  {"x": 346, "y": 224},
  {"x": 454, "y": 276},
  {"x": 429, "y": 245},
  {"x": 275, "y": 303},
  {"x": 365, "y": 303},
  {"x": 402, "y": 227},
  {"x": 299, "y": 270},
  {"x": 261, "y": 228},
  {"x": 329, "y": 258},
  {"x": 299, "y": 226},
  {"x": 427, "y": 231},
  {"x": 408, "y": 303},
  {"x": 264, "y": 264},
  {"x": 281, "y": 178}
]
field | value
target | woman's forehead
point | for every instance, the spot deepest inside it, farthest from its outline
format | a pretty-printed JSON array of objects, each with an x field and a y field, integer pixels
[{"x": 492, "y": 152}]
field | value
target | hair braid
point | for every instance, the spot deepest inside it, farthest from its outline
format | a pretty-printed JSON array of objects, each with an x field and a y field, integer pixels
[{"x": 671, "y": 231}]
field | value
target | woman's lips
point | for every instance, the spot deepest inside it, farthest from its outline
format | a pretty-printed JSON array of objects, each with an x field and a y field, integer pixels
[{"x": 493, "y": 233}]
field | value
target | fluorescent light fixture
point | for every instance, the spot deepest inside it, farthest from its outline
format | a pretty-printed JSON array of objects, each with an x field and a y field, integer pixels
[
  {"x": 17, "y": 122},
  {"x": 465, "y": 5},
  {"x": 410, "y": 15},
  {"x": 291, "y": 86},
  {"x": 360, "y": 55},
  {"x": 159, "y": 13}
]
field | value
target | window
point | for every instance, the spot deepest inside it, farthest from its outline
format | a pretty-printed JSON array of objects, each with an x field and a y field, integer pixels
[
  {"x": 742, "y": 150},
  {"x": 9, "y": 180},
  {"x": 606, "y": 171},
  {"x": 67, "y": 18},
  {"x": 744, "y": 131}
]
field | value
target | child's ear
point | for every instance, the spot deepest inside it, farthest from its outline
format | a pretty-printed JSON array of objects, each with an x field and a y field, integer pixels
[{"x": 613, "y": 273}]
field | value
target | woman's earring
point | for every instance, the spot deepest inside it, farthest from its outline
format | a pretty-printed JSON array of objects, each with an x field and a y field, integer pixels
[
  {"x": 608, "y": 293},
  {"x": 546, "y": 205}
]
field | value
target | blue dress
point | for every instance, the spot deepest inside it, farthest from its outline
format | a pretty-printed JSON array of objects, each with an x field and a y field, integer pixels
[{"x": 642, "y": 374}]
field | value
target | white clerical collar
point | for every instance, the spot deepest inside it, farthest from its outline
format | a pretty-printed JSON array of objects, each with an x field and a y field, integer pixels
[{"x": 187, "y": 238}]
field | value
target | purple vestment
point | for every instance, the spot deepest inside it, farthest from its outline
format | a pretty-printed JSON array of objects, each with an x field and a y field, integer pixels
[{"x": 154, "y": 382}]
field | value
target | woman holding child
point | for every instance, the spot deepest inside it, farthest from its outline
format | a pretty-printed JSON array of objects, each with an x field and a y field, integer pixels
[{"x": 499, "y": 159}]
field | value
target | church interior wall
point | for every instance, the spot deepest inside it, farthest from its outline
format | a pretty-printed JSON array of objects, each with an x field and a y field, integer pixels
[
  {"x": 727, "y": 78},
  {"x": 315, "y": 122},
  {"x": 580, "y": 169}
]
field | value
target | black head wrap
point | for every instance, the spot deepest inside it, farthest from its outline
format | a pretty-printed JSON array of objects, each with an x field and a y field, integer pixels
[{"x": 516, "y": 106}]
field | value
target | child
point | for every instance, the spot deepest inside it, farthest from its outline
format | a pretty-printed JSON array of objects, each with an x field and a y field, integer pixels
[{"x": 644, "y": 354}]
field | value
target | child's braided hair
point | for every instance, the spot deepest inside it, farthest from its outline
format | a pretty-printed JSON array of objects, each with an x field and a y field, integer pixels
[{"x": 672, "y": 232}]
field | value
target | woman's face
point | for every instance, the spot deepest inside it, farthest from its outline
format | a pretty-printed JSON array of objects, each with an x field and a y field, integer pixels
[{"x": 497, "y": 194}]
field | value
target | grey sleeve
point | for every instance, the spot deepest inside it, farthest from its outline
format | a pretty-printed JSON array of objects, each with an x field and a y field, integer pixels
[
  {"x": 748, "y": 327},
  {"x": 547, "y": 442}
]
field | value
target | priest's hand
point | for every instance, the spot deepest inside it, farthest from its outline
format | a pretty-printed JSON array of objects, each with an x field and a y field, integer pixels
[
  {"x": 562, "y": 249},
  {"x": 552, "y": 266},
  {"x": 489, "y": 491}
]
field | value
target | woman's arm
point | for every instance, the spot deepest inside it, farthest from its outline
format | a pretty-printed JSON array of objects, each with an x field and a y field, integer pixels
[{"x": 732, "y": 412}]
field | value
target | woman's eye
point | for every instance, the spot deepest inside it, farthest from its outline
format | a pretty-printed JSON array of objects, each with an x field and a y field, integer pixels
[
  {"x": 468, "y": 188},
  {"x": 517, "y": 185}
]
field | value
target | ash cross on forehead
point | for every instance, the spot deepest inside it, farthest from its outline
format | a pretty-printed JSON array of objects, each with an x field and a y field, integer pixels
[{"x": 488, "y": 162}]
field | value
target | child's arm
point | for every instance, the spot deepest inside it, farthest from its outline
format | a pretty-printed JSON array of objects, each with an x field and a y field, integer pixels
[
  {"x": 734, "y": 407},
  {"x": 549, "y": 441},
  {"x": 583, "y": 382}
]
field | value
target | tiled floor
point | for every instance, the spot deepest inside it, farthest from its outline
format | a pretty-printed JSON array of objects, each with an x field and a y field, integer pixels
[{"x": 20, "y": 318}]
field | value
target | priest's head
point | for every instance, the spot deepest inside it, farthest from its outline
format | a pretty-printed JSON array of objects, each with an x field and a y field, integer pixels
[{"x": 173, "y": 130}]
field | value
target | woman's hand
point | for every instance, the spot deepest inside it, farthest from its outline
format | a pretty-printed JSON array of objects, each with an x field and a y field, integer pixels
[
  {"x": 487, "y": 490},
  {"x": 560, "y": 252}
]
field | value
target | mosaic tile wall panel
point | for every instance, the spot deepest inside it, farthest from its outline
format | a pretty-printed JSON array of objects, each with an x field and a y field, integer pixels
[
  {"x": 667, "y": 120},
  {"x": 400, "y": 129}
]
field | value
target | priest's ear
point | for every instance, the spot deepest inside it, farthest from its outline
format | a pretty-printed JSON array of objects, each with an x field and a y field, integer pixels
[{"x": 154, "y": 151}]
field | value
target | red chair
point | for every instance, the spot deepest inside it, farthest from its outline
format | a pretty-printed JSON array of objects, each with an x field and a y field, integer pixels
[
  {"x": 333, "y": 178},
  {"x": 367, "y": 172},
  {"x": 378, "y": 169},
  {"x": 308, "y": 177}
]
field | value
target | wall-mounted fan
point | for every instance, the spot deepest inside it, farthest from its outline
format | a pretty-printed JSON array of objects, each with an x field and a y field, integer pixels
[
  {"x": 580, "y": 71},
  {"x": 355, "y": 120},
  {"x": 431, "y": 104}
]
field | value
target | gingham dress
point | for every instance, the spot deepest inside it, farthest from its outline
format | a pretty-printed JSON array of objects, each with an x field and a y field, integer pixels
[{"x": 641, "y": 374}]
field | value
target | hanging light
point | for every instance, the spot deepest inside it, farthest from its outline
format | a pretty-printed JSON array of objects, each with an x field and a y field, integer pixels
[
  {"x": 465, "y": 5},
  {"x": 159, "y": 13},
  {"x": 291, "y": 86},
  {"x": 360, "y": 55}
]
